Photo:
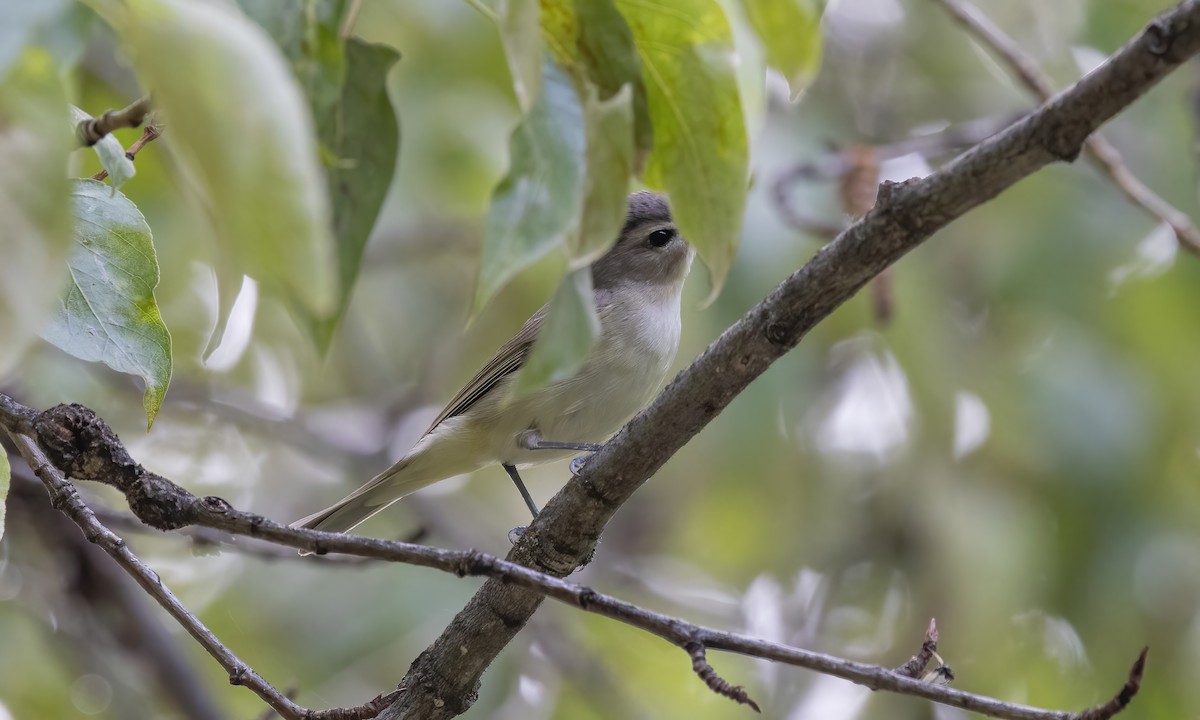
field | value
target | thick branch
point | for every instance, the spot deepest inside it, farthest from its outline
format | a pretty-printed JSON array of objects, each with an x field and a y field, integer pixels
[
  {"x": 444, "y": 679},
  {"x": 1100, "y": 152},
  {"x": 91, "y": 131},
  {"x": 71, "y": 439}
]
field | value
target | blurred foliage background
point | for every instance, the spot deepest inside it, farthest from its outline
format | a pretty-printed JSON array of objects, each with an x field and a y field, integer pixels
[{"x": 1016, "y": 453}]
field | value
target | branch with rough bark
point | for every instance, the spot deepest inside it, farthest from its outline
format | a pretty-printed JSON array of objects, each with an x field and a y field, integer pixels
[{"x": 69, "y": 440}]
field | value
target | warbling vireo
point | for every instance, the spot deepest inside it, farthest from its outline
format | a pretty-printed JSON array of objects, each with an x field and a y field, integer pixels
[{"x": 637, "y": 285}]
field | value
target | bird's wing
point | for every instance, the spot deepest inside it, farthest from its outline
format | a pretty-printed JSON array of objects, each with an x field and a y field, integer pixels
[{"x": 508, "y": 360}]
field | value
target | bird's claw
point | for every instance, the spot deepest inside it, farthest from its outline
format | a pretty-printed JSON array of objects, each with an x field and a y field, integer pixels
[{"x": 514, "y": 535}]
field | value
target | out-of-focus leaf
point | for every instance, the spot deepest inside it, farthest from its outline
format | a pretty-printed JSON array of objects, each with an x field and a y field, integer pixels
[
  {"x": 21, "y": 22},
  {"x": 5, "y": 477},
  {"x": 109, "y": 150},
  {"x": 700, "y": 152},
  {"x": 567, "y": 335},
  {"x": 790, "y": 30},
  {"x": 609, "y": 125},
  {"x": 521, "y": 38},
  {"x": 244, "y": 136},
  {"x": 108, "y": 313},
  {"x": 363, "y": 135},
  {"x": 592, "y": 42},
  {"x": 538, "y": 201},
  {"x": 35, "y": 140}
]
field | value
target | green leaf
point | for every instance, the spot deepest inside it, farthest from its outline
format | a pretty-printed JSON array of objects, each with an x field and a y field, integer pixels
[
  {"x": 5, "y": 477},
  {"x": 592, "y": 42},
  {"x": 363, "y": 135},
  {"x": 700, "y": 152},
  {"x": 609, "y": 127},
  {"x": 538, "y": 201},
  {"x": 109, "y": 150},
  {"x": 35, "y": 141},
  {"x": 790, "y": 30},
  {"x": 244, "y": 138},
  {"x": 567, "y": 335},
  {"x": 521, "y": 38},
  {"x": 108, "y": 313}
]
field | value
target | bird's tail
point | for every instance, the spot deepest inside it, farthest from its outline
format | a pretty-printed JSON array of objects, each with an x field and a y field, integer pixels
[{"x": 354, "y": 509}]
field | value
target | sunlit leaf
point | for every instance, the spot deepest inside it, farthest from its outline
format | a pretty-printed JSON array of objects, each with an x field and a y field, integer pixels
[
  {"x": 521, "y": 38},
  {"x": 609, "y": 126},
  {"x": 700, "y": 152},
  {"x": 244, "y": 137},
  {"x": 538, "y": 201},
  {"x": 35, "y": 140},
  {"x": 567, "y": 335},
  {"x": 363, "y": 135},
  {"x": 108, "y": 313},
  {"x": 5, "y": 477},
  {"x": 790, "y": 30},
  {"x": 592, "y": 42},
  {"x": 109, "y": 150}
]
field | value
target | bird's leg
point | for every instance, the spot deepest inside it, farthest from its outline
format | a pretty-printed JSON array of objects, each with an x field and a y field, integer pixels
[
  {"x": 532, "y": 440},
  {"x": 516, "y": 478}
]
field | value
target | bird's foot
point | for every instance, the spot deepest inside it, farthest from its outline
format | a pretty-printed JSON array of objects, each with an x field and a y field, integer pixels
[{"x": 514, "y": 535}]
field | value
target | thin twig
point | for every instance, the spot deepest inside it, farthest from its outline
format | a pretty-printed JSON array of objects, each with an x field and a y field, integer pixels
[
  {"x": 149, "y": 134},
  {"x": 92, "y": 130},
  {"x": 915, "y": 667},
  {"x": 65, "y": 498},
  {"x": 83, "y": 446},
  {"x": 1100, "y": 152}
]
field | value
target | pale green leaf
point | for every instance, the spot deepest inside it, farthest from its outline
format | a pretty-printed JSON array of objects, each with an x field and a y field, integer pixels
[
  {"x": 109, "y": 150},
  {"x": 35, "y": 141},
  {"x": 700, "y": 155},
  {"x": 244, "y": 139},
  {"x": 567, "y": 335},
  {"x": 5, "y": 477},
  {"x": 790, "y": 30},
  {"x": 538, "y": 201},
  {"x": 363, "y": 135},
  {"x": 592, "y": 42},
  {"x": 609, "y": 126},
  {"x": 108, "y": 313},
  {"x": 521, "y": 37}
]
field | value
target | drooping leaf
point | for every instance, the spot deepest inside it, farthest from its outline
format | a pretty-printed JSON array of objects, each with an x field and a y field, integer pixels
[
  {"x": 592, "y": 42},
  {"x": 5, "y": 477},
  {"x": 363, "y": 137},
  {"x": 344, "y": 80},
  {"x": 609, "y": 127},
  {"x": 790, "y": 30},
  {"x": 109, "y": 150},
  {"x": 108, "y": 313},
  {"x": 35, "y": 140},
  {"x": 244, "y": 137},
  {"x": 521, "y": 38},
  {"x": 700, "y": 152},
  {"x": 538, "y": 201},
  {"x": 568, "y": 334}
]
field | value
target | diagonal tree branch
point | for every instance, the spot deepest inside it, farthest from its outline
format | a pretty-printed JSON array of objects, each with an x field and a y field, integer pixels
[
  {"x": 1100, "y": 152},
  {"x": 443, "y": 681},
  {"x": 91, "y": 131},
  {"x": 70, "y": 439}
]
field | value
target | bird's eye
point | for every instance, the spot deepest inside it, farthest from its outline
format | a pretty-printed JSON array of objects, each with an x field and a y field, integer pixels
[{"x": 660, "y": 238}]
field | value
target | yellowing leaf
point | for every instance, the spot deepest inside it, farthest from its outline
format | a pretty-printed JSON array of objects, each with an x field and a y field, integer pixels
[
  {"x": 790, "y": 30},
  {"x": 700, "y": 156},
  {"x": 593, "y": 44},
  {"x": 108, "y": 313},
  {"x": 35, "y": 140},
  {"x": 245, "y": 140},
  {"x": 538, "y": 201}
]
